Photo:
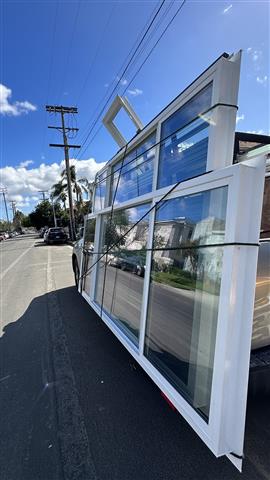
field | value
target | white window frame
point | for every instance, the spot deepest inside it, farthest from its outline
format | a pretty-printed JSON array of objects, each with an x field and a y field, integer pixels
[
  {"x": 224, "y": 432},
  {"x": 224, "y": 76}
]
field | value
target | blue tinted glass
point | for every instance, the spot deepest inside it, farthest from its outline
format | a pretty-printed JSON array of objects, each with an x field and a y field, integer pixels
[
  {"x": 184, "y": 292},
  {"x": 136, "y": 174},
  {"x": 197, "y": 219},
  {"x": 120, "y": 289},
  {"x": 100, "y": 191},
  {"x": 184, "y": 154},
  {"x": 190, "y": 110},
  {"x": 183, "y": 149}
]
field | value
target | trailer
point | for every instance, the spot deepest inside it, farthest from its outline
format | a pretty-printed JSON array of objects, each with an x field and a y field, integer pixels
[{"x": 168, "y": 258}]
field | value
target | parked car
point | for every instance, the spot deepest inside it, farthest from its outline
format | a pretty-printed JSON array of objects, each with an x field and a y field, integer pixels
[{"x": 55, "y": 235}]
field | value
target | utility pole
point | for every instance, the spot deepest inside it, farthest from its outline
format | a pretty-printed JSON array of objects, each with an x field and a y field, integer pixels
[
  {"x": 54, "y": 216},
  {"x": 13, "y": 206},
  {"x": 66, "y": 110},
  {"x": 3, "y": 190},
  {"x": 43, "y": 194}
]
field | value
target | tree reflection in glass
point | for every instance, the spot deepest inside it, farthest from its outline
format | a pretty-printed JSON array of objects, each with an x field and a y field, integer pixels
[{"x": 184, "y": 292}]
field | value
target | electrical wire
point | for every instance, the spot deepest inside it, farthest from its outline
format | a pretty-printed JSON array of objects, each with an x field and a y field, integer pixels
[
  {"x": 52, "y": 48},
  {"x": 149, "y": 20},
  {"x": 155, "y": 45},
  {"x": 100, "y": 44},
  {"x": 135, "y": 75},
  {"x": 69, "y": 49},
  {"x": 122, "y": 75},
  {"x": 199, "y": 116}
]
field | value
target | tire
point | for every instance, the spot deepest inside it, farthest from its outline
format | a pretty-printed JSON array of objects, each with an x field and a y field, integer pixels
[{"x": 76, "y": 272}]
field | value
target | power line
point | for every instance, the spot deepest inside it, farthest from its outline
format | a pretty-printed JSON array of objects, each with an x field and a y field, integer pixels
[
  {"x": 69, "y": 48},
  {"x": 155, "y": 44},
  {"x": 140, "y": 52},
  {"x": 52, "y": 48},
  {"x": 136, "y": 73},
  {"x": 122, "y": 65},
  {"x": 123, "y": 73},
  {"x": 101, "y": 41}
]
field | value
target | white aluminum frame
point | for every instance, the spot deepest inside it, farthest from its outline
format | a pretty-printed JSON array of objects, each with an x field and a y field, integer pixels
[
  {"x": 224, "y": 432},
  {"x": 224, "y": 76}
]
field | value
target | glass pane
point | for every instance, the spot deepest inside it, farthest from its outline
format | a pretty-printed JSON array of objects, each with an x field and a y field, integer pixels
[
  {"x": 120, "y": 283},
  {"x": 193, "y": 220},
  {"x": 89, "y": 238},
  {"x": 184, "y": 293},
  {"x": 190, "y": 110},
  {"x": 136, "y": 174},
  {"x": 184, "y": 154},
  {"x": 100, "y": 191}
]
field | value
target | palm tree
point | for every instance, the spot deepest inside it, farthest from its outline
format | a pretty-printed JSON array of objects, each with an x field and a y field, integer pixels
[
  {"x": 88, "y": 188},
  {"x": 60, "y": 189}
]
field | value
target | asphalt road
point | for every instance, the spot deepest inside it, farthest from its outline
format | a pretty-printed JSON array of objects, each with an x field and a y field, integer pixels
[{"x": 74, "y": 404}]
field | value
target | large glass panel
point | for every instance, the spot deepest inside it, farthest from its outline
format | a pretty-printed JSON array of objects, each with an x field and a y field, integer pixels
[
  {"x": 136, "y": 174},
  {"x": 183, "y": 149},
  {"x": 88, "y": 249},
  {"x": 121, "y": 272},
  {"x": 100, "y": 190},
  {"x": 184, "y": 292}
]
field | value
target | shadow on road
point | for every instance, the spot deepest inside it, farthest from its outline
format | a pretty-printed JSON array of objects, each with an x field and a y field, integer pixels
[
  {"x": 132, "y": 433},
  {"x": 43, "y": 244}
]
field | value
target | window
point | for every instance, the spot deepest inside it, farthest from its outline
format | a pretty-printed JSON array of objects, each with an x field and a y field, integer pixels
[
  {"x": 100, "y": 190},
  {"x": 120, "y": 280},
  {"x": 89, "y": 238},
  {"x": 183, "y": 149},
  {"x": 184, "y": 292},
  {"x": 136, "y": 174}
]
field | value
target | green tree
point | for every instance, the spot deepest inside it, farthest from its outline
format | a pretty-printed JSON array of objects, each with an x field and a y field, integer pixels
[{"x": 42, "y": 216}]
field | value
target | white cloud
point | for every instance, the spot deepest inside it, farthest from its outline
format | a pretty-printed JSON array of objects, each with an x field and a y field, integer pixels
[
  {"x": 23, "y": 184},
  {"x": 26, "y": 163},
  {"x": 256, "y": 57},
  {"x": 262, "y": 80},
  {"x": 135, "y": 92},
  {"x": 14, "y": 109},
  {"x": 123, "y": 81},
  {"x": 227, "y": 9},
  {"x": 240, "y": 117}
]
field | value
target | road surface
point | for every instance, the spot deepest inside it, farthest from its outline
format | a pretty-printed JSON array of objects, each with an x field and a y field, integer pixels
[{"x": 74, "y": 404}]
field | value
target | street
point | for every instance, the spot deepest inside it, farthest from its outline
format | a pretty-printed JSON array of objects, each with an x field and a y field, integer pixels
[{"x": 74, "y": 403}]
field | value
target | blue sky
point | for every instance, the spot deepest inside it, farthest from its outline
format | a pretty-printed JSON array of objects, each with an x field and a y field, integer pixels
[{"x": 41, "y": 65}]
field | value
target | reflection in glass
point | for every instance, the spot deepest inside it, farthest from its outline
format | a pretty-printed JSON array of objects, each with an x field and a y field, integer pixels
[
  {"x": 120, "y": 285},
  {"x": 88, "y": 249},
  {"x": 184, "y": 154},
  {"x": 136, "y": 174},
  {"x": 100, "y": 191},
  {"x": 184, "y": 292}
]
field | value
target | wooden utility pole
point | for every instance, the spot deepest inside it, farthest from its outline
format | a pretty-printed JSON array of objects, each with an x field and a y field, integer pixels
[
  {"x": 13, "y": 206},
  {"x": 3, "y": 190},
  {"x": 64, "y": 110},
  {"x": 43, "y": 194}
]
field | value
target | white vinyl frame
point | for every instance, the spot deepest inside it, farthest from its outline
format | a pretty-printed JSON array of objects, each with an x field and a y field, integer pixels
[{"x": 224, "y": 432}]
